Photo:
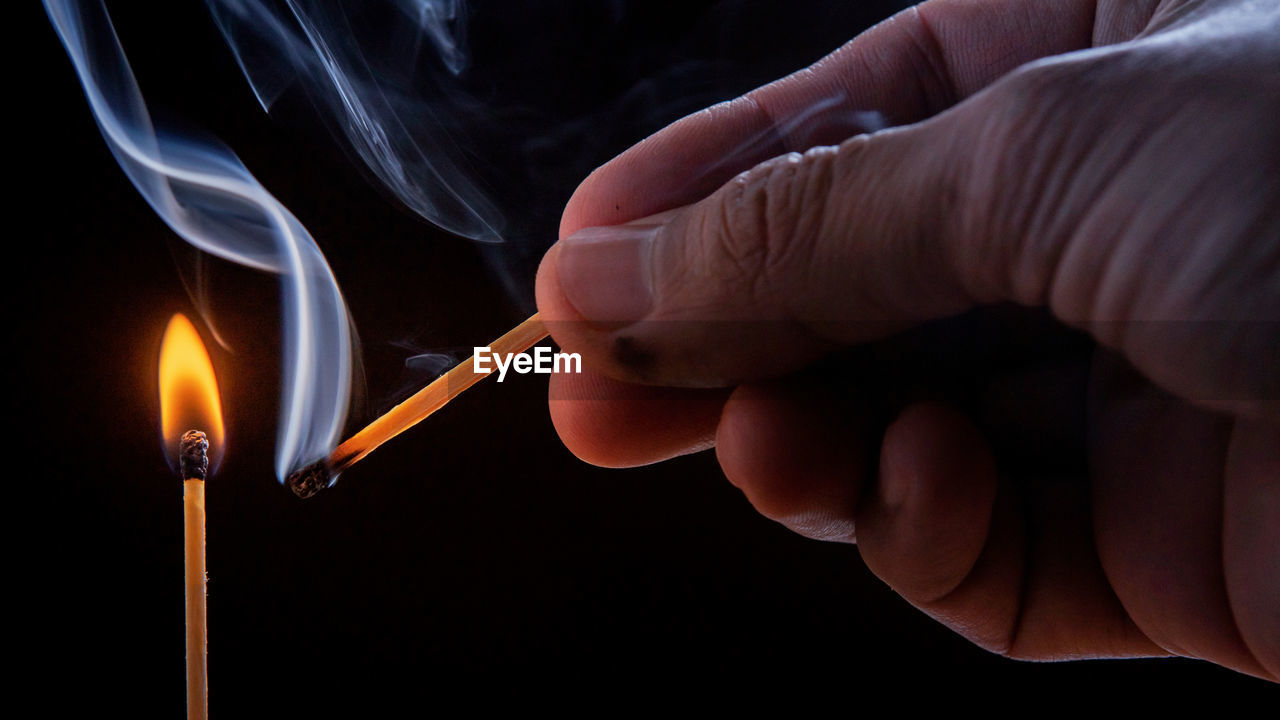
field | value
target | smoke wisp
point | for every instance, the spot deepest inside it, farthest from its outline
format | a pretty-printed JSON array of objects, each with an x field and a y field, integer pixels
[{"x": 210, "y": 199}]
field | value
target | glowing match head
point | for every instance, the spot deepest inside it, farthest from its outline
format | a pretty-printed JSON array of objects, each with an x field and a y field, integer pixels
[
  {"x": 311, "y": 479},
  {"x": 193, "y": 455}
]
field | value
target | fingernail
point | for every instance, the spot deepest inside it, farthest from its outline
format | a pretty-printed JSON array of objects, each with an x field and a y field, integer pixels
[{"x": 604, "y": 272}]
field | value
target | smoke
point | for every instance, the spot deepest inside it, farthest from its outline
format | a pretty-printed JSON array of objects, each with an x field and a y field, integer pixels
[
  {"x": 485, "y": 146},
  {"x": 211, "y": 200},
  {"x": 365, "y": 68},
  {"x": 482, "y": 117}
]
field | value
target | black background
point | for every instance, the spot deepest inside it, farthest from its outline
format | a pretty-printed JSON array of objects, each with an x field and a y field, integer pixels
[{"x": 472, "y": 557}]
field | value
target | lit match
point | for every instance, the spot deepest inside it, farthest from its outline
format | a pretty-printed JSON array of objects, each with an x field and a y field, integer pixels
[
  {"x": 319, "y": 475},
  {"x": 194, "y": 459},
  {"x": 189, "y": 398}
]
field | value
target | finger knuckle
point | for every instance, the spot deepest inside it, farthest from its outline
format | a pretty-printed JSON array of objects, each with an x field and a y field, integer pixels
[
  {"x": 765, "y": 220},
  {"x": 1028, "y": 163}
]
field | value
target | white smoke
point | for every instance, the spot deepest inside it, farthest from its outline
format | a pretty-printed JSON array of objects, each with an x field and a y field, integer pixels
[
  {"x": 364, "y": 66},
  {"x": 209, "y": 198}
]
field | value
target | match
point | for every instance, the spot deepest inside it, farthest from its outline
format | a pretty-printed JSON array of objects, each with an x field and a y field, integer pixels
[
  {"x": 321, "y": 474},
  {"x": 194, "y": 462}
]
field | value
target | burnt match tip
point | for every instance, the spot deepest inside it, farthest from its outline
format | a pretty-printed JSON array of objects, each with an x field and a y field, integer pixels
[
  {"x": 193, "y": 455},
  {"x": 311, "y": 479}
]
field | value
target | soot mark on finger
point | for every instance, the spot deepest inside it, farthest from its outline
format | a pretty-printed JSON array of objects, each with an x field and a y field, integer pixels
[{"x": 634, "y": 356}]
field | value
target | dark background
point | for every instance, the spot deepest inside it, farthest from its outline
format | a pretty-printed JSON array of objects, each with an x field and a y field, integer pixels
[{"x": 474, "y": 556}]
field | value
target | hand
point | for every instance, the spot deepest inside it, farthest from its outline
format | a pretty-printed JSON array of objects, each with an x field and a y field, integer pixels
[{"x": 1116, "y": 163}]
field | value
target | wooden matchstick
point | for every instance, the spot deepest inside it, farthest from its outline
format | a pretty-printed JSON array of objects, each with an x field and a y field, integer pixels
[
  {"x": 194, "y": 461},
  {"x": 319, "y": 475}
]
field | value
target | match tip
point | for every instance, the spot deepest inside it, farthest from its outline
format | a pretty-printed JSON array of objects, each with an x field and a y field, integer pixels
[
  {"x": 311, "y": 479},
  {"x": 193, "y": 455}
]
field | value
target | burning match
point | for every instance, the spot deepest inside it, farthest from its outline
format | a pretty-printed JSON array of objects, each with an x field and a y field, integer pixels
[
  {"x": 189, "y": 398},
  {"x": 321, "y": 474},
  {"x": 195, "y": 464}
]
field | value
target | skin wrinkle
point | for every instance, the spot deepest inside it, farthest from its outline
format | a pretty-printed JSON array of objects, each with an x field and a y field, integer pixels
[
  {"x": 1056, "y": 287},
  {"x": 933, "y": 243},
  {"x": 1234, "y": 228},
  {"x": 926, "y": 103},
  {"x": 1093, "y": 23},
  {"x": 1043, "y": 267},
  {"x": 864, "y": 282},
  {"x": 744, "y": 249},
  {"x": 1238, "y": 438},
  {"x": 1079, "y": 311},
  {"x": 1030, "y": 635},
  {"x": 1175, "y": 12},
  {"x": 930, "y": 54},
  {"x": 771, "y": 125},
  {"x": 930, "y": 245},
  {"x": 768, "y": 231},
  {"x": 1035, "y": 184},
  {"x": 818, "y": 190},
  {"x": 1059, "y": 229},
  {"x": 1232, "y": 626},
  {"x": 776, "y": 216},
  {"x": 1232, "y": 613},
  {"x": 1024, "y": 579},
  {"x": 677, "y": 274},
  {"x": 844, "y": 162},
  {"x": 961, "y": 577},
  {"x": 1038, "y": 97},
  {"x": 1217, "y": 275},
  {"x": 981, "y": 221},
  {"x": 1167, "y": 312},
  {"x": 1002, "y": 642},
  {"x": 1124, "y": 296},
  {"x": 1108, "y": 29},
  {"x": 791, "y": 240}
]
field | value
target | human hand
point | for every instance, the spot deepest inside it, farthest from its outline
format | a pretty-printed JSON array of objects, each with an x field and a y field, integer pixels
[{"x": 1117, "y": 163}]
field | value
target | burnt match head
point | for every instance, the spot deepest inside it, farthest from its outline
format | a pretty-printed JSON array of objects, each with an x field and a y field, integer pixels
[
  {"x": 311, "y": 479},
  {"x": 193, "y": 455}
]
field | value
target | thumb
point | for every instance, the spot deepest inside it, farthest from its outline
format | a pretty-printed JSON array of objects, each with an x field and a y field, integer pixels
[{"x": 838, "y": 245}]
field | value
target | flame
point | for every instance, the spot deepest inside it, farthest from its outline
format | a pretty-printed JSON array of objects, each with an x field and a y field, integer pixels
[{"x": 189, "y": 397}]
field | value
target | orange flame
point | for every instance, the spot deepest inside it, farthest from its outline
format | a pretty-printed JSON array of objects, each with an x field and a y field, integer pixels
[{"x": 189, "y": 397}]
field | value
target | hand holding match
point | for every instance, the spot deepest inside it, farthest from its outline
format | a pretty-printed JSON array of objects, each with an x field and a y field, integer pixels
[{"x": 1095, "y": 476}]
